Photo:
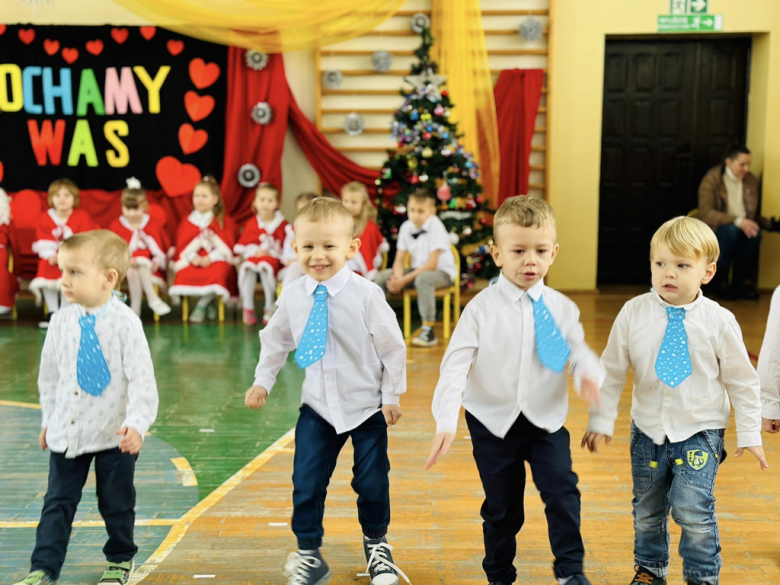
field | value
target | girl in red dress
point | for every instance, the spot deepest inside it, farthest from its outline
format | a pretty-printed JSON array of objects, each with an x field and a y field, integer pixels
[
  {"x": 373, "y": 245},
  {"x": 260, "y": 248},
  {"x": 291, "y": 269},
  {"x": 56, "y": 225},
  {"x": 9, "y": 284},
  {"x": 204, "y": 252},
  {"x": 148, "y": 244}
]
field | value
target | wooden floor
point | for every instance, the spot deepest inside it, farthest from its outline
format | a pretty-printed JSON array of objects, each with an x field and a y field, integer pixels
[{"x": 240, "y": 534}]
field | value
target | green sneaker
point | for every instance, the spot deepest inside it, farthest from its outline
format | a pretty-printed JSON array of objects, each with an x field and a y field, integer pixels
[
  {"x": 198, "y": 315},
  {"x": 118, "y": 573},
  {"x": 36, "y": 578},
  {"x": 211, "y": 312}
]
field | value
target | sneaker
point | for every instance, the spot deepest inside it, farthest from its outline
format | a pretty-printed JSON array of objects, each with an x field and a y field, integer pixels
[
  {"x": 159, "y": 307},
  {"x": 425, "y": 339},
  {"x": 211, "y": 312},
  {"x": 267, "y": 314},
  {"x": 250, "y": 317},
  {"x": 380, "y": 569},
  {"x": 645, "y": 577},
  {"x": 577, "y": 580},
  {"x": 45, "y": 323},
  {"x": 306, "y": 568},
  {"x": 36, "y": 578},
  {"x": 118, "y": 573},
  {"x": 198, "y": 315}
]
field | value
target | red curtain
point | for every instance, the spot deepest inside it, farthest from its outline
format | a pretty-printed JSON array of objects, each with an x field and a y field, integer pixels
[{"x": 517, "y": 93}]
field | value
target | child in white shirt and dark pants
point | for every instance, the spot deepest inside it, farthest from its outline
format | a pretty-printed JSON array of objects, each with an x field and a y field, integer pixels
[
  {"x": 688, "y": 360},
  {"x": 505, "y": 364},
  {"x": 348, "y": 340}
]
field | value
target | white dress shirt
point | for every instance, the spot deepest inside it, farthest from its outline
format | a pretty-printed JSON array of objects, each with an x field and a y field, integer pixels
[
  {"x": 769, "y": 361},
  {"x": 364, "y": 365},
  {"x": 78, "y": 422},
  {"x": 492, "y": 368},
  {"x": 434, "y": 238},
  {"x": 718, "y": 358},
  {"x": 735, "y": 196}
]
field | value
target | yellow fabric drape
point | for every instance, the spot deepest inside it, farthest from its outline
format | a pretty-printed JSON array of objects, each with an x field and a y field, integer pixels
[
  {"x": 272, "y": 26},
  {"x": 462, "y": 55}
]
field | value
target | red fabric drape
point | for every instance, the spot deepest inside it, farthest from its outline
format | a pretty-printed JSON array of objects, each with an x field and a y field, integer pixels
[{"x": 517, "y": 93}]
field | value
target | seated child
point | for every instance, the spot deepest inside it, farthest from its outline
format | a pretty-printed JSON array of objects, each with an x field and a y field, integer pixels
[
  {"x": 9, "y": 283},
  {"x": 292, "y": 270},
  {"x": 373, "y": 245}
]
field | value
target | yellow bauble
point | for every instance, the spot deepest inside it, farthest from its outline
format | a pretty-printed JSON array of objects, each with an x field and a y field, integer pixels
[{"x": 427, "y": 152}]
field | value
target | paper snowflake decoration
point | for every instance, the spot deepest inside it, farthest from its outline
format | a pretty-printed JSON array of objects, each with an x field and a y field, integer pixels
[
  {"x": 353, "y": 124},
  {"x": 332, "y": 78},
  {"x": 420, "y": 22},
  {"x": 531, "y": 29},
  {"x": 262, "y": 113},
  {"x": 256, "y": 60},
  {"x": 248, "y": 176},
  {"x": 382, "y": 61}
]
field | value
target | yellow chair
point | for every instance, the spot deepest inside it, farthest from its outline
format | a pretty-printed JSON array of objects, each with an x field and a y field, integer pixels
[
  {"x": 694, "y": 213},
  {"x": 450, "y": 296},
  {"x": 384, "y": 261},
  {"x": 14, "y": 315},
  {"x": 185, "y": 309}
]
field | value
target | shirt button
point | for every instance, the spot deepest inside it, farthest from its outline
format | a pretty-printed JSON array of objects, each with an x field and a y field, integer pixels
[
  {"x": 73, "y": 422},
  {"x": 76, "y": 393}
]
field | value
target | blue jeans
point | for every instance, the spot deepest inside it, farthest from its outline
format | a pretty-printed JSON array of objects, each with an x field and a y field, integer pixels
[
  {"x": 317, "y": 448},
  {"x": 682, "y": 482},
  {"x": 737, "y": 248}
]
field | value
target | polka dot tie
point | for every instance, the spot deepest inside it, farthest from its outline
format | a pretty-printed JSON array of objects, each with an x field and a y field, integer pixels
[
  {"x": 92, "y": 371},
  {"x": 551, "y": 347},
  {"x": 673, "y": 364},
  {"x": 315, "y": 336}
]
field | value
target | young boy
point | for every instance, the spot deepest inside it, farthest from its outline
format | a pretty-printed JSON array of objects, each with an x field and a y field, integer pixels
[
  {"x": 350, "y": 345},
  {"x": 505, "y": 364},
  {"x": 688, "y": 359},
  {"x": 769, "y": 367},
  {"x": 292, "y": 270},
  {"x": 98, "y": 398},
  {"x": 424, "y": 237}
]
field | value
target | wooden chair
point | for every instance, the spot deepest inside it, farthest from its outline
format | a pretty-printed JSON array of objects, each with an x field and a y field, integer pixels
[
  {"x": 14, "y": 314},
  {"x": 185, "y": 309},
  {"x": 450, "y": 296}
]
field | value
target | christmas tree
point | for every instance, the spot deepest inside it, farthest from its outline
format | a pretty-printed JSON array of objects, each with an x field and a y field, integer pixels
[{"x": 430, "y": 156}]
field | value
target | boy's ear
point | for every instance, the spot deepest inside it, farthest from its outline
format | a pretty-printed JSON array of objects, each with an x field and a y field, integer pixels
[
  {"x": 354, "y": 246},
  {"x": 709, "y": 273},
  {"x": 496, "y": 255},
  {"x": 112, "y": 278}
]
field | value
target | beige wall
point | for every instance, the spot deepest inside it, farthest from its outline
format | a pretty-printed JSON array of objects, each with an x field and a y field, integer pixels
[{"x": 579, "y": 30}]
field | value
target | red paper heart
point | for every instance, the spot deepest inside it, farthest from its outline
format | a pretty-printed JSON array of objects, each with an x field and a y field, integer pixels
[
  {"x": 95, "y": 47},
  {"x": 70, "y": 55},
  {"x": 2, "y": 168},
  {"x": 2, "y": 29},
  {"x": 203, "y": 74},
  {"x": 51, "y": 46},
  {"x": 175, "y": 178},
  {"x": 175, "y": 47},
  {"x": 192, "y": 140},
  {"x": 119, "y": 35},
  {"x": 198, "y": 107},
  {"x": 148, "y": 32},
  {"x": 26, "y": 35}
]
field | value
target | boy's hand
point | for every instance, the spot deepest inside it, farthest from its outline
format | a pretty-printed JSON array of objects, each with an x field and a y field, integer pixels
[
  {"x": 441, "y": 444},
  {"x": 393, "y": 285},
  {"x": 255, "y": 397},
  {"x": 591, "y": 440},
  {"x": 392, "y": 413},
  {"x": 758, "y": 452},
  {"x": 155, "y": 265},
  {"x": 771, "y": 425},
  {"x": 589, "y": 392},
  {"x": 132, "y": 441},
  {"x": 53, "y": 260},
  {"x": 42, "y": 439}
]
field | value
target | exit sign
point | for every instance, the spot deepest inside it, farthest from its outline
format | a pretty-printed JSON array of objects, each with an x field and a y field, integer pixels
[
  {"x": 689, "y": 23},
  {"x": 679, "y": 7}
]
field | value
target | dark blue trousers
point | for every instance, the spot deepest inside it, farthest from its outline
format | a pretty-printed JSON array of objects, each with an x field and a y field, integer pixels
[
  {"x": 114, "y": 473},
  {"x": 737, "y": 249},
  {"x": 501, "y": 465},
  {"x": 317, "y": 448}
]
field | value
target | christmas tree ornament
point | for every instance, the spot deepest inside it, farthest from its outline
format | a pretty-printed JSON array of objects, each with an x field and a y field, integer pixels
[
  {"x": 428, "y": 81},
  {"x": 353, "y": 124},
  {"x": 414, "y": 180},
  {"x": 427, "y": 152},
  {"x": 446, "y": 152},
  {"x": 388, "y": 174},
  {"x": 530, "y": 29},
  {"x": 262, "y": 113},
  {"x": 332, "y": 79},
  {"x": 256, "y": 60},
  {"x": 454, "y": 238},
  {"x": 424, "y": 178},
  {"x": 438, "y": 110},
  {"x": 378, "y": 181},
  {"x": 248, "y": 176},
  {"x": 427, "y": 136},
  {"x": 415, "y": 115},
  {"x": 420, "y": 22},
  {"x": 444, "y": 193},
  {"x": 382, "y": 61}
]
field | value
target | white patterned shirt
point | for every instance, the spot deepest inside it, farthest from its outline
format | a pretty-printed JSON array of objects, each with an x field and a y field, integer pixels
[{"x": 76, "y": 421}]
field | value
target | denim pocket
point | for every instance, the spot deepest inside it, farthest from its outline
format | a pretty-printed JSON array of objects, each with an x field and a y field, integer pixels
[
  {"x": 641, "y": 456},
  {"x": 700, "y": 458}
]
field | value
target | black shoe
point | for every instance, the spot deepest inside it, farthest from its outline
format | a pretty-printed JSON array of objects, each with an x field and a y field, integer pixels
[
  {"x": 577, "y": 580},
  {"x": 306, "y": 568},
  {"x": 425, "y": 339},
  {"x": 748, "y": 293},
  {"x": 380, "y": 567},
  {"x": 726, "y": 293},
  {"x": 645, "y": 577}
]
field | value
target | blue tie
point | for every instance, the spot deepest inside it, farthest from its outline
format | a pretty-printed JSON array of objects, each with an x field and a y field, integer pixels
[
  {"x": 673, "y": 364},
  {"x": 315, "y": 336},
  {"x": 551, "y": 347},
  {"x": 92, "y": 371}
]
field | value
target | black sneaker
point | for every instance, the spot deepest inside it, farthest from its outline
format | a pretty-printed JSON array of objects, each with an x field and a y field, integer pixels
[
  {"x": 380, "y": 567},
  {"x": 577, "y": 580},
  {"x": 645, "y": 577},
  {"x": 45, "y": 323},
  {"x": 425, "y": 339},
  {"x": 306, "y": 568}
]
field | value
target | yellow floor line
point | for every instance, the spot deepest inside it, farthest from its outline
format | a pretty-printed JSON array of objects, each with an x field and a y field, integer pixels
[
  {"x": 20, "y": 404},
  {"x": 180, "y": 528},
  {"x": 96, "y": 523},
  {"x": 186, "y": 473}
]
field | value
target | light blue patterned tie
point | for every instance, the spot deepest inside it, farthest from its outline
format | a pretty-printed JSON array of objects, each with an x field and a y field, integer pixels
[
  {"x": 673, "y": 364},
  {"x": 92, "y": 371},
  {"x": 315, "y": 336},
  {"x": 551, "y": 347}
]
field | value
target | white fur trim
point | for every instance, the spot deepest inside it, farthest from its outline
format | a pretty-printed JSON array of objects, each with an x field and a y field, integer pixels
[
  {"x": 258, "y": 268},
  {"x": 274, "y": 224},
  {"x": 5, "y": 208},
  {"x": 182, "y": 290},
  {"x": 38, "y": 284},
  {"x": 201, "y": 220},
  {"x": 126, "y": 223},
  {"x": 45, "y": 248}
]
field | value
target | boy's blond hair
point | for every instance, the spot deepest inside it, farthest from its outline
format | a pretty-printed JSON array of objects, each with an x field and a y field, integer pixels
[
  {"x": 106, "y": 249},
  {"x": 64, "y": 184},
  {"x": 368, "y": 213},
  {"x": 687, "y": 237},
  {"x": 306, "y": 196},
  {"x": 325, "y": 209},
  {"x": 524, "y": 211}
]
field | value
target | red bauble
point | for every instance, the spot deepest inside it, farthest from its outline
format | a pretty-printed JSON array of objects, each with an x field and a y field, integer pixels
[
  {"x": 444, "y": 92},
  {"x": 427, "y": 136},
  {"x": 414, "y": 180}
]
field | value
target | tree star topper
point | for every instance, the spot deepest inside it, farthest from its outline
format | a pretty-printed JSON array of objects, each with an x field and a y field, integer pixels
[{"x": 427, "y": 78}]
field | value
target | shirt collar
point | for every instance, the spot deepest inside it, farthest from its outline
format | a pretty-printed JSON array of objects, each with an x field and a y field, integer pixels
[
  {"x": 687, "y": 307},
  {"x": 272, "y": 225},
  {"x": 731, "y": 176},
  {"x": 514, "y": 293},
  {"x": 333, "y": 284},
  {"x": 98, "y": 312}
]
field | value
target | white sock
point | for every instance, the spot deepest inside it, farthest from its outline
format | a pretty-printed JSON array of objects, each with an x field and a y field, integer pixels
[
  {"x": 248, "y": 290},
  {"x": 136, "y": 291},
  {"x": 52, "y": 299},
  {"x": 205, "y": 300},
  {"x": 145, "y": 272},
  {"x": 269, "y": 289}
]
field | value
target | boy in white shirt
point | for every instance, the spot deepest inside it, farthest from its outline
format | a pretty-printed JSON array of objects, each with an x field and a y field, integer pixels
[
  {"x": 688, "y": 359},
  {"x": 348, "y": 340},
  {"x": 505, "y": 364},
  {"x": 424, "y": 237},
  {"x": 769, "y": 367},
  {"x": 98, "y": 398}
]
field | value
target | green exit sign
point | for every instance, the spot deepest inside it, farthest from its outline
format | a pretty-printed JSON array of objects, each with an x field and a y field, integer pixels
[{"x": 690, "y": 23}]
